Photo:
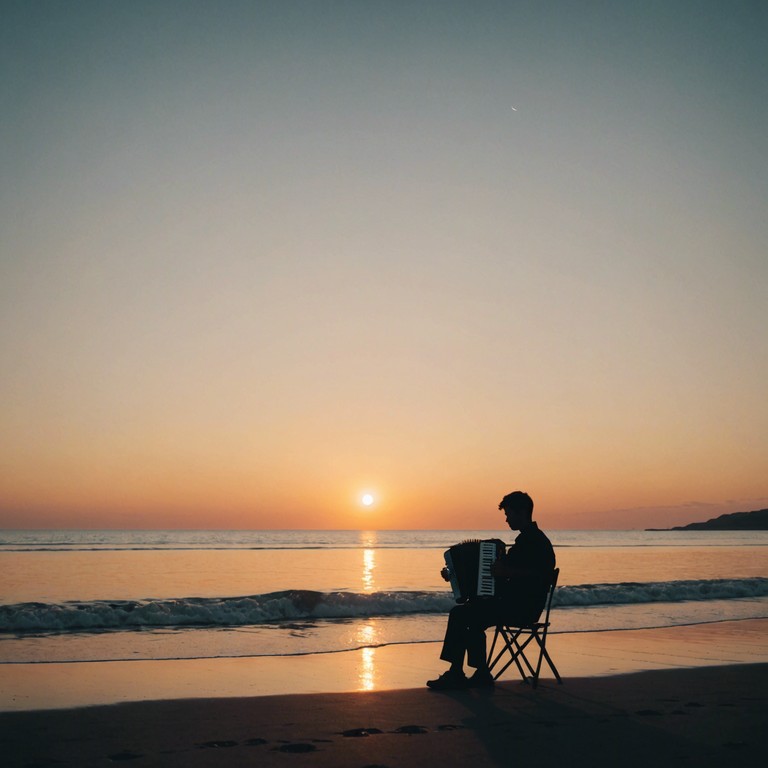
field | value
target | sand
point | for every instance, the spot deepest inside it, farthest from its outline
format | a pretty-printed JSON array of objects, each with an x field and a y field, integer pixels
[
  {"x": 698, "y": 717},
  {"x": 684, "y": 709}
]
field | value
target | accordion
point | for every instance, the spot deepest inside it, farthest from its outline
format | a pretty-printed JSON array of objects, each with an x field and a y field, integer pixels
[{"x": 469, "y": 566}]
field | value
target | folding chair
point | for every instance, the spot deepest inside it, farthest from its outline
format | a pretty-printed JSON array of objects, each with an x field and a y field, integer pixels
[{"x": 516, "y": 639}]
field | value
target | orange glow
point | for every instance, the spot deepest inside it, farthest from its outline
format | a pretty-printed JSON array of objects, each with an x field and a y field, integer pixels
[
  {"x": 301, "y": 278},
  {"x": 201, "y": 483}
]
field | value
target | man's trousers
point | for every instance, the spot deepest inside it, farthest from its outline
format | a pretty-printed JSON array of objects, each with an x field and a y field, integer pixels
[{"x": 465, "y": 632}]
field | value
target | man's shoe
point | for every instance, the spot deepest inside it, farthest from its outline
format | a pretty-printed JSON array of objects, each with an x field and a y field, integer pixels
[
  {"x": 481, "y": 679},
  {"x": 449, "y": 681}
]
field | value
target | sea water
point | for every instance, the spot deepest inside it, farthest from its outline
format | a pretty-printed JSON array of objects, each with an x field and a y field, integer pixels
[{"x": 69, "y": 596}]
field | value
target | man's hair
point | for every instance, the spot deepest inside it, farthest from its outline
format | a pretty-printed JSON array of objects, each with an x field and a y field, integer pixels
[{"x": 519, "y": 501}]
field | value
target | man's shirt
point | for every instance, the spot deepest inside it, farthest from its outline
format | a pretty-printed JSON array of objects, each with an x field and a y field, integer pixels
[{"x": 533, "y": 554}]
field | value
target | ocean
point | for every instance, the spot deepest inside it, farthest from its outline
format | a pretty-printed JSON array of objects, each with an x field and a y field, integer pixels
[{"x": 91, "y": 596}]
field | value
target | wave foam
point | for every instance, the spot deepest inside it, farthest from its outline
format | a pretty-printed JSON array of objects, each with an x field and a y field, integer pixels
[{"x": 277, "y": 607}]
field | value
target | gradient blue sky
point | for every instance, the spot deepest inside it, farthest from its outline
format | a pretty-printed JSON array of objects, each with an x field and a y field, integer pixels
[{"x": 257, "y": 258}]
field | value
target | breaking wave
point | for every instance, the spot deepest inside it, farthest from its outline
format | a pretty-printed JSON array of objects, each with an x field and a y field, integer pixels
[{"x": 291, "y": 605}]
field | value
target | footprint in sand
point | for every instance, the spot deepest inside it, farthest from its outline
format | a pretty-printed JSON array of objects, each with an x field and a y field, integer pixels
[
  {"x": 216, "y": 744},
  {"x": 360, "y": 732},
  {"x": 296, "y": 747},
  {"x": 411, "y": 729}
]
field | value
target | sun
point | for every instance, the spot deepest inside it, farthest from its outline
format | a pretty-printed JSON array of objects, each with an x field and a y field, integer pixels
[{"x": 367, "y": 499}]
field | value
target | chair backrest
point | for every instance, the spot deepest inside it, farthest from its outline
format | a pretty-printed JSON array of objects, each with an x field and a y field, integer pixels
[{"x": 552, "y": 586}]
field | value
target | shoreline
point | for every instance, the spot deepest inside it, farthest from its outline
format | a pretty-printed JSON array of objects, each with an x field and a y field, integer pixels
[
  {"x": 702, "y": 716},
  {"x": 56, "y": 686}
]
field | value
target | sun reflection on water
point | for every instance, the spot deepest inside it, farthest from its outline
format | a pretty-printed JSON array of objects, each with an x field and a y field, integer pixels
[
  {"x": 368, "y": 540},
  {"x": 367, "y": 633},
  {"x": 369, "y": 563}
]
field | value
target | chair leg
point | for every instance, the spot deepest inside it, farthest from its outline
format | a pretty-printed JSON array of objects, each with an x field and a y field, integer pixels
[
  {"x": 543, "y": 655},
  {"x": 510, "y": 643},
  {"x": 552, "y": 666},
  {"x": 521, "y": 652},
  {"x": 515, "y": 650},
  {"x": 492, "y": 664},
  {"x": 506, "y": 648}
]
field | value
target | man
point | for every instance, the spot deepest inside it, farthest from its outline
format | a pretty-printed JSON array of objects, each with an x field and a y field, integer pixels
[{"x": 522, "y": 577}]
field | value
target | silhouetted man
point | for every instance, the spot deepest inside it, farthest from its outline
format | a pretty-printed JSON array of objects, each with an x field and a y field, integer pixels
[{"x": 522, "y": 576}]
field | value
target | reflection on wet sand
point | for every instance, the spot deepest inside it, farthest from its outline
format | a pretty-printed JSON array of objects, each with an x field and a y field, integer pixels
[
  {"x": 367, "y": 635},
  {"x": 367, "y": 669}
]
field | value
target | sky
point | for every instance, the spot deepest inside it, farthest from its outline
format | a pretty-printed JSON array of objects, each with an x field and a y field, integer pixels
[{"x": 260, "y": 258}]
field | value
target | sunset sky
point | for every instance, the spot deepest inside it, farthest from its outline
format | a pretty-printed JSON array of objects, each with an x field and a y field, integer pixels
[{"x": 260, "y": 258}]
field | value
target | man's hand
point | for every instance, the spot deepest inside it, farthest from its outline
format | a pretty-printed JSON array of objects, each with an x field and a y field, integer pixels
[{"x": 446, "y": 574}]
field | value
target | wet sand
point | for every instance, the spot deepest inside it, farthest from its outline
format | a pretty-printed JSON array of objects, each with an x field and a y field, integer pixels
[{"x": 588, "y": 654}]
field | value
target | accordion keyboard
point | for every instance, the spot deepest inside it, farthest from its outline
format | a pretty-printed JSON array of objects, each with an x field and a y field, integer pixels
[{"x": 486, "y": 585}]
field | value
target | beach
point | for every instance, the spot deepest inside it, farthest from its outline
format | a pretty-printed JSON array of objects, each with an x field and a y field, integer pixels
[
  {"x": 691, "y": 695},
  {"x": 266, "y": 648},
  {"x": 705, "y": 716}
]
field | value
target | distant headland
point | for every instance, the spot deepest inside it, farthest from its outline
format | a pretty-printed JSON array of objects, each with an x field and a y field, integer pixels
[{"x": 735, "y": 521}]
